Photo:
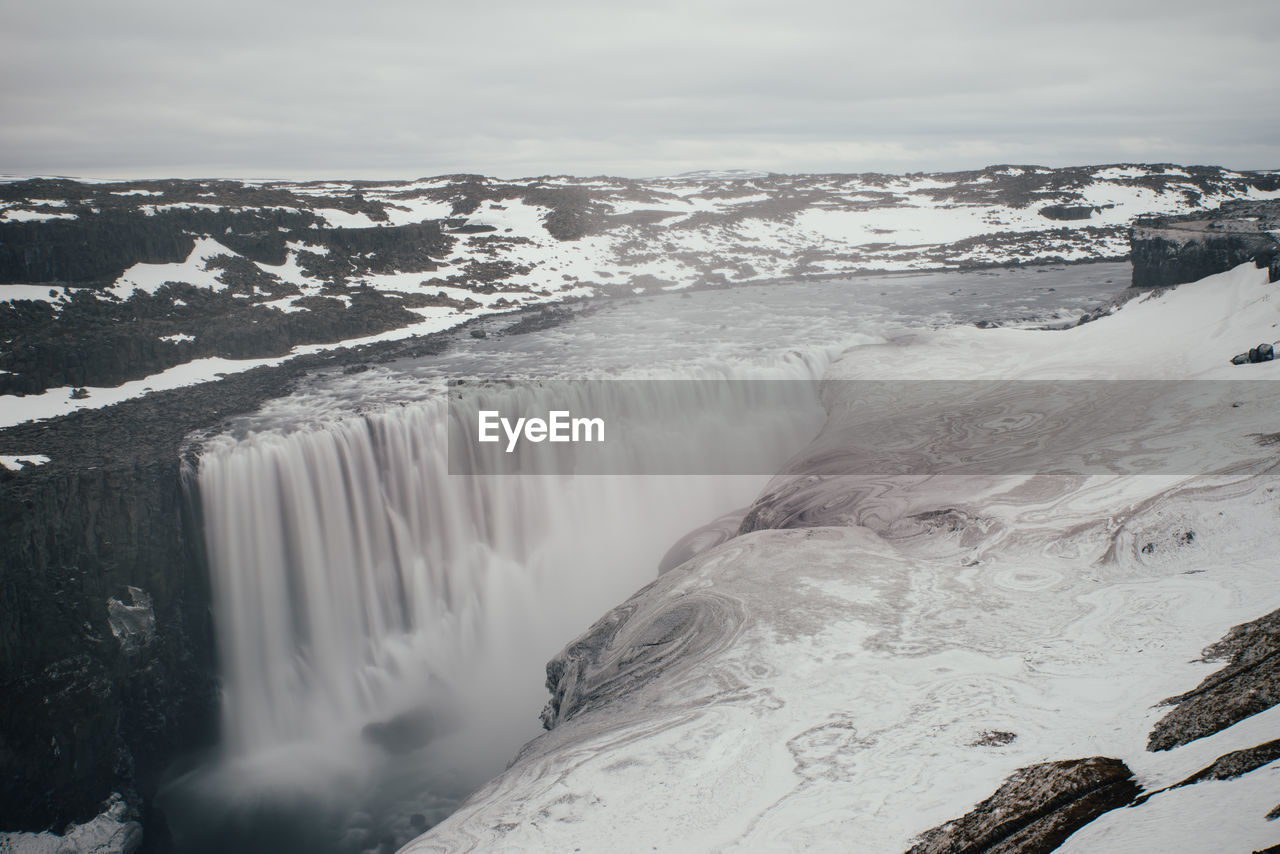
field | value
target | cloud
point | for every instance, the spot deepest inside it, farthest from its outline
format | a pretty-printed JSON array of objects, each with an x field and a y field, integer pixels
[{"x": 400, "y": 89}]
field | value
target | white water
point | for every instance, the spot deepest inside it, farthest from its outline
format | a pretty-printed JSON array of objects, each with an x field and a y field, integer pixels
[
  {"x": 383, "y": 625},
  {"x": 360, "y": 580}
]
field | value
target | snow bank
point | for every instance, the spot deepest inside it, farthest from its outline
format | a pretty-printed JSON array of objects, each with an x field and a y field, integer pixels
[
  {"x": 149, "y": 277},
  {"x": 20, "y": 462},
  {"x": 794, "y": 689}
]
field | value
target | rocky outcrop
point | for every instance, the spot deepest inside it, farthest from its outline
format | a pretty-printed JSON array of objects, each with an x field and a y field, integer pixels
[
  {"x": 1236, "y": 763},
  {"x": 1171, "y": 250},
  {"x": 1035, "y": 809},
  {"x": 1248, "y": 684},
  {"x": 105, "y": 652},
  {"x": 99, "y": 246},
  {"x": 1067, "y": 213}
]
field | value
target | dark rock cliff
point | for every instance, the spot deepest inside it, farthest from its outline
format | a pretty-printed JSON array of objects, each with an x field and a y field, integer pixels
[
  {"x": 105, "y": 644},
  {"x": 1170, "y": 250},
  {"x": 107, "y": 658}
]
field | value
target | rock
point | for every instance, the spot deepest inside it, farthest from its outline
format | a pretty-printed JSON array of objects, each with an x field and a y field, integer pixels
[
  {"x": 479, "y": 333},
  {"x": 1067, "y": 212},
  {"x": 113, "y": 831},
  {"x": 994, "y": 738},
  {"x": 1236, "y": 763},
  {"x": 1170, "y": 250},
  {"x": 132, "y": 624},
  {"x": 1248, "y": 684},
  {"x": 1035, "y": 809},
  {"x": 100, "y": 696},
  {"x": 540, "y": 320}
]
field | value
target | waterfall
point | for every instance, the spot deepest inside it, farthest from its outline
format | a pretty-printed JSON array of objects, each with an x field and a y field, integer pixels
[
  {"x": 383, "y": 625},
  {"x": 370, "y": 604}
]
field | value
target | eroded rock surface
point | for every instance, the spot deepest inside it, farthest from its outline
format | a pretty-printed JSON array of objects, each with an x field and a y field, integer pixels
[
  {"x": 1170, "y": 250},
  {"x": 1247, "y": 685},
  {"x": 1035, "y": 809}
]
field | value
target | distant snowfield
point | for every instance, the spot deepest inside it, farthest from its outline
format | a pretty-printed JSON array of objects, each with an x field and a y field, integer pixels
[
  {"x": 793, "y": 690},
  {"x": 761, "y": 226},
  {"x": 662, "y": 233}
]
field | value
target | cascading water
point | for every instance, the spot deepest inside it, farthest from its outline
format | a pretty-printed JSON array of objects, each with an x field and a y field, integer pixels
[
  {"x": 383, "y": 624},
  {"x": 356, "y": 578}
]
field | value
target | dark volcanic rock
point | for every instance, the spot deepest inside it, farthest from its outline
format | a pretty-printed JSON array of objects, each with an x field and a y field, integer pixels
[
  {"x": 1250, "y": 683},
  {"x": 103, "y": 686},
  {"x": 547, "y": 318},
  {"x": 101, "y": 343},
  {"x": 1170, "y": 250},
  {"x": 1236, "y": 763},
  {"x": 1067, "y": 213},
  {"x": 98, "y": 247},
  {"x": 91, "y": 706},
  {"x": 1035, "y": 809}
]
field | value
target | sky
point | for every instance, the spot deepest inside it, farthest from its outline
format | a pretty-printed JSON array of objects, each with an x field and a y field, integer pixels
[{"x": 318, "y": 89}]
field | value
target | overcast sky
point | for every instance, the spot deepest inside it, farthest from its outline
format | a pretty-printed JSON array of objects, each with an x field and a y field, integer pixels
[{"x": 311, "y": 88}]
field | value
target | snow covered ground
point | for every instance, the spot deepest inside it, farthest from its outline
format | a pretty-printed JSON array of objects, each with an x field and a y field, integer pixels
[
  {"x": 879, "y": 667},
  {"x": 547, "y": 239}
]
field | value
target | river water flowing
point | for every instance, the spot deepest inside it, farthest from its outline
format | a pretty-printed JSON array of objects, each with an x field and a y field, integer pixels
[{"x": 383, "y": 624}]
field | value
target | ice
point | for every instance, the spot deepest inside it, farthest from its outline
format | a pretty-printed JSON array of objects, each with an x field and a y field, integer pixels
[{"x": 833, "y": 681}]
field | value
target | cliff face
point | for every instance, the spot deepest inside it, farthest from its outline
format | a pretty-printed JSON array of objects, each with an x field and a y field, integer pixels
[
  {"x": 107, "y": 664},
  {"x": 1171, "y": 250},
  {"x": 105, "y": 641}
]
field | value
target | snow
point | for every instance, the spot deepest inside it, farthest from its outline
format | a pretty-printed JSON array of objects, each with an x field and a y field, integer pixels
[
  {"x": 152, "y": 210},
  {"x": 15, "y": 409},
  {"x": 829, "y": 683},
  {"x": 342, "y": 219},
  {"x": 17, "y": 215},
  {"x": 40, "y": 293},
  {"x": 113, "y": 830},
  {"x": 22, "y": 461},
  {"x": 137, "y": 193},
  {"x": 1210, "y": 817},
  {"x": 418, "y": 210},
  {"x": 1119, "y": 172},
  {"x": 178, "y": 338},
  {"x": 149, "y": 277},
  {"x": 292, "y": 273}
]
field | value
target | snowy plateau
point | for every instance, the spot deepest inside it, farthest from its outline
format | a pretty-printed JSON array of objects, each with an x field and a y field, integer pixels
[{"x": 184, "y": 281}]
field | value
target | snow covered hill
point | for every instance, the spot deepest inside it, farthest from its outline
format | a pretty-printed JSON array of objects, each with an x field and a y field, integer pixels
[
  {"x": 874, "y": 655},
  {"x": 103, "y": 283}
]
